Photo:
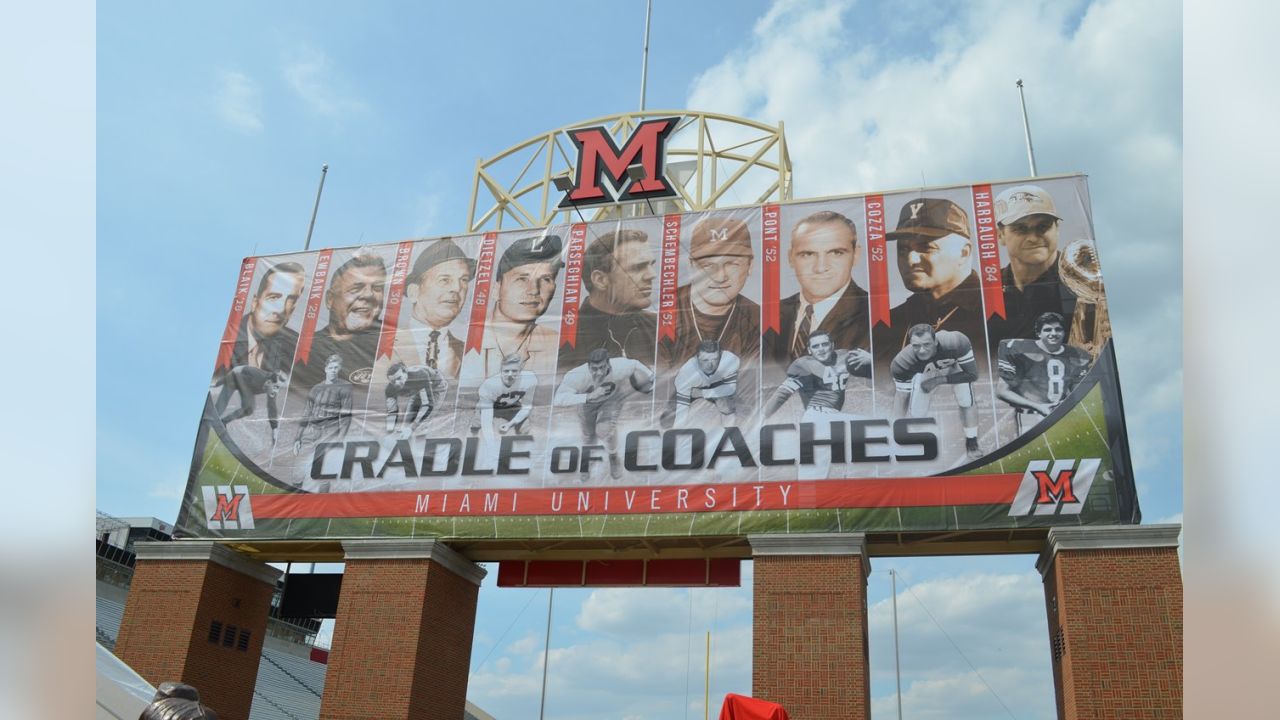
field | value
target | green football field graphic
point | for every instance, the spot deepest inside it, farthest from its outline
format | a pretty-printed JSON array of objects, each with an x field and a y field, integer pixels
[{"x": 1081, "y": 433}]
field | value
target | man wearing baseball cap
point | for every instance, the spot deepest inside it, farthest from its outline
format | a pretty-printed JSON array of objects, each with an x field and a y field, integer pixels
[
  {"x": 524, "y": 284},
  {"x": 823, "y": 250},
  {"x": 1027, "y": 225},
  {"x": 436, "y": 292},
  {"x": 711, "y": 305},
  {"x": 935, "y": 258}
]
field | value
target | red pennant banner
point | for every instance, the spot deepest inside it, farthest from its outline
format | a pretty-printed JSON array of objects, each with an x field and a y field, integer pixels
[
  {"x": 877, "y": 260},
  {"x": 942, "y": 490},
  {"x": 572, "y": 286},
  {"x": 391, "y": 317},
  {"x": 988, "y": 251},
  {"x": 314, "y": 298},
  {"x": 771, "y": 238},
  {"x": 243, "y": 286},
  {"x": 480, "y": 298},
  {"x": 667, "y": 310}
]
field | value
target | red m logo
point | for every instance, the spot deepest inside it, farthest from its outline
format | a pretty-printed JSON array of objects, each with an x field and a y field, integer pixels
[
  {"x": 1057, "y": 487},
  {"x": 599, "y": 160},
  {"x": 1054, "y": 490},
  {"x": 227, "y": 509}
]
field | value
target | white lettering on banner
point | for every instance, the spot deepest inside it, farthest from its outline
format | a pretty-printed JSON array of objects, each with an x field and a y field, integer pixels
[{"x": 663, "y": 499}]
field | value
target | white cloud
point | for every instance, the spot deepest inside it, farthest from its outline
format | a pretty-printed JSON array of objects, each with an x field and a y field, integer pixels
[
  {"x": 628, "y": 653},
  {"x": 426, "y": 211},
  {"x": 166, "y": 490},
  {"x": 320, "y": 85},
  {"x": 238, "y": 101},
  {"x": 997, "y": 621},
  {"x": 877, "y": 103}
]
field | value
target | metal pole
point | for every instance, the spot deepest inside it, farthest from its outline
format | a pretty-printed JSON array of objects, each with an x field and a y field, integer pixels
[
  {"x": 644, "y": 60},
  {"x": 1026, "y": 127},
  {"x": 897, "y": 665},
  {"x": 324, "y": 170},
  {"x": 706, "y": 683},
  {"x": 546, "y": 656}
]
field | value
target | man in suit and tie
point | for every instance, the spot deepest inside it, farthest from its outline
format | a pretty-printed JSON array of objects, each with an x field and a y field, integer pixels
[
  {"x": 824, "y": 248},
  {"x": 264, "y": 340},
  {"x": 436, "y": 291}
]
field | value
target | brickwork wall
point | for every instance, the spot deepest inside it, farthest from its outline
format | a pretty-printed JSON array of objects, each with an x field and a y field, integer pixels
[
  {"x": 1115, "y": 631},
  {"x": 401, "y": 642},
  {"x": 165, "y": 632},
  {"x": 809, "y": 625}
]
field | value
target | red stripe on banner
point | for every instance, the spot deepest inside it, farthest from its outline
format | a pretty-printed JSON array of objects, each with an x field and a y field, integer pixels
[
  {"x": 314, "y": 298},
  {"x": 988, "y": 251},
  {"x": 391, "y": 318},
  {"x": 863, "y": 493},
  {"x": 480, "y": 301},
  {"x": 667, "y": 311},
  {"x": 572, "y": 286},
  {"x": 243, "y": 286},
  {"x": 877, "y": 260},
  {"x": 770, "y": 224}
]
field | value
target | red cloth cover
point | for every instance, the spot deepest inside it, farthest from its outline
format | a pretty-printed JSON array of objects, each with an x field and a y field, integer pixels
[{"x": 741, "y": 707}]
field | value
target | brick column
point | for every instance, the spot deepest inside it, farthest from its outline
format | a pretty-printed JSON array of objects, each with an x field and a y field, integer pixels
[
  {"x": 402, "y": 637},
  {"x": 809, "y": 625},
  {"x": 1114, "y": 598},
  {"x": 197, "y": 612}
]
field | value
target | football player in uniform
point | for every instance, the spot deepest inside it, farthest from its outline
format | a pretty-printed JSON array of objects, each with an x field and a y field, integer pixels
[
  {"x": 711, "y": 375},
  {"x": 932, "y": 358},
  {"x": 821, "y": 378},
  {"x": 412, "y": 393},
  {"x": 600, "y": 387},
  {"x": 328, "y": 412},
  {"x": 502, "y": 400},
  {"x": 1035, "y": 375},
  {"x": 248, "y": 381}
]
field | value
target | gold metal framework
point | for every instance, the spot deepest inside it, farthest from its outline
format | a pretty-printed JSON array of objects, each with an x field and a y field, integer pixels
[{"x": 712, "y": 160}]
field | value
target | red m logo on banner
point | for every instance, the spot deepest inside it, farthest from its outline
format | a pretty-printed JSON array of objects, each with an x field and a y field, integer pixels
[
  {"x": 601, "y": 175},
  {"x": 226, "y": 507},
  {"x": 1055, "y": 487}
]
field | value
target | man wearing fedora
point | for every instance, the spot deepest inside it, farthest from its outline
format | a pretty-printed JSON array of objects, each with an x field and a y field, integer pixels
[{"x": 437, "y": 290}]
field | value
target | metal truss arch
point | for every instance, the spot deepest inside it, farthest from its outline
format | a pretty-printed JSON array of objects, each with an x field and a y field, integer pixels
[{"x": 713, "y": 160}]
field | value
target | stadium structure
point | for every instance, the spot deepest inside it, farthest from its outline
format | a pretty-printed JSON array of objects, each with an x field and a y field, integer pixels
[{"x": 291, "y": 673}]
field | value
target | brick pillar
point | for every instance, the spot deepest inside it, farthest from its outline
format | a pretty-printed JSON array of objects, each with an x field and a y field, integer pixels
[
  {"x": 809, "y": 625},
  {"x": 197, "y": 613},
  {"x": 402, "y": 637},
  {"x": 1114, "y": 598}
]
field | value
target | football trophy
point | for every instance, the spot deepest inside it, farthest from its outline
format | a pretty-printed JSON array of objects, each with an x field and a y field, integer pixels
[{"x": 1080, "y": 272}]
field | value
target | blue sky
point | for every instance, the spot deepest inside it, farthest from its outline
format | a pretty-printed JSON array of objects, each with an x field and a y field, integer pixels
[{"x": 214, "y": 119}]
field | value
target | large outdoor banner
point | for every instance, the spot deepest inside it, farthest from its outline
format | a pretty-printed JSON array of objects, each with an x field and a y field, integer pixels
[{"x": 931, "y": 360}]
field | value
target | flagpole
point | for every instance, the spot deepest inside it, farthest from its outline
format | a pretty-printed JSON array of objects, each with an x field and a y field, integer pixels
[
  {"x": 546, "y": 655},
  {"x": 324, "y": 170},
  {"x": 897, "y": 665},
  {"x": 644, "y": 59},
  {"x": 706, "y": 683},
  {"x": 1026, "y": 128}
]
